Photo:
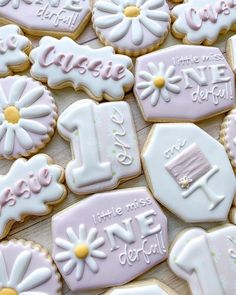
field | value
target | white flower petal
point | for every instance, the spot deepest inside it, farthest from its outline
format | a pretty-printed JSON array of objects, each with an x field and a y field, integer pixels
[
  {"x": 9, "y": 140},
  {"x": 140, "y": 2},
  {"x": 137, "y": 32},
  {"x": 174, "y": 79},
  {"x": 147, "y": 92},
  {"x": 108, "y": 21},
  {"x": 23, "y": 138},
  {"x": 35, "y": 279},
  {"x": 144, "y": 85},
  {"x": 69, "y": 267},
  {"x": 120, "y": 30},
  {"x": 3, "y": 270},
  {"x": 3, "y": 98},
  {"x": 72, "y": 236},
  {"x": 165, "y": 95},
  {"x": 154, "y": 4},
  {"x": 79, "y": 270},
  {"x": 91, "y": 235},
  {"x": 155, "y": 97},
  {"x": 36, "y": 111},
  {"x": 3, "y": 129},
  {"x": 33, "y": 126},
  {"x": 98, "y": 254},
  {"x": 92, "y": 264},
  {"x": 82, "y": 232},
  {"x": 152, "y": 68},
  {"x": 161, "y": 68},
  {"x": 107, "y": 7},
  {"x": 19, "y": 268},
  {"x": 117, "y": 2},
  {"x": 170, "y": 71},
  {"x": 152, "y": 26},
  {"x": 145, "y": 76},
  {"x": 17, "y": 90},
  {"x": 97, "y": 243},
  {"x": 30, "y": 97},
  {"x": 173, "y": 88},
  {"x": 64, "y": 244},
  {"x": 63, "y": 256},
  {"x": 158, "y": 15},
  {"x": 4, "y": 2}
]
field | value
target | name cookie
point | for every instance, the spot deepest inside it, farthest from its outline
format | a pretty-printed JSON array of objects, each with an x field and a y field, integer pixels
[
  {"x": 196, "y": 78},
  {"x": 231, "y": 52},
  {"x": 202, "y": 21},
  {"x": 27, "y": 116},
  {"x": 29, "y": 188},
  {"x": 210, "y": 270},
  {"x": 185, "y": 171},
  {"x": 100, "y": 72},
  {"x": 150, "y": 287},
  {"x": 104, "y": 145},
  {"x": 27, "y": 268},
  {"x": 132, "y": 27},
  {"x": 14, "y": 49},
  {"x": 47, "y": 17},
  {"x": 122, "y": 235}
]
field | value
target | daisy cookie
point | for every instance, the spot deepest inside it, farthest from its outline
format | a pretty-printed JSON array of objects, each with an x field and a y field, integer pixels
[
  {"x": 27, "y": 116},
  {"x": 104, "y": 145},
  {"x": 206, "y": 260},
  {"x": 231, "y": 52},
  {"x": 14, "y": 49},
  {"x": 202, "y": 21},
  {"x": 122, "y": 235},
  {"x": 184, "y": 167},
  {"x": 27, "y": 269},
  {"x": 150, "y": 287},
  {"x": 133, "y": 27},
  {"x": 100, "y": 72},
  {"x": 47, "y": 17},
  {"x": 30, "y": 188},
  {"x": 196, "y": 78}
]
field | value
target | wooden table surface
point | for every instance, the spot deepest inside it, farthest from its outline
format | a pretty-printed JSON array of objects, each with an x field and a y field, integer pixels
[{"x": 38, "y": 229}]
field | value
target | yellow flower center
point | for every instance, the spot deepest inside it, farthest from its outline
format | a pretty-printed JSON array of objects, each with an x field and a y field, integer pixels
[
  {"x": 8, "y": 291},
  {"x": 159, "y": 82},
  {"x": 81, "y": 251},
  {"x": 12, "y": 115},
  {"x": 132, "y": 11}
]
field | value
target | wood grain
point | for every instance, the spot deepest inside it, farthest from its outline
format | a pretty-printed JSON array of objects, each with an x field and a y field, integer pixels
[{"x": 38, "y": 229}]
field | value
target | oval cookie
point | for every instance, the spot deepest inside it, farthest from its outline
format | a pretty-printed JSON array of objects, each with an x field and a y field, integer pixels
[
  {"x": 27, "y": 268},
  {"x": 27, "y": 116},
  {"x": 122, "y": 235},
  {"x": 132, "y": 27}
]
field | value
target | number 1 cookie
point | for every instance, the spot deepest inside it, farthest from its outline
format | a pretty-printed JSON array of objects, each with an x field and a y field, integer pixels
[
  {"x": 104, "y": 145},
  {"x": 14, "y": 49}
]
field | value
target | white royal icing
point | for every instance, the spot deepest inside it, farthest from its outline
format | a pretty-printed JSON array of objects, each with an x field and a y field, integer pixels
[
  {"x": 232, "y": 52},
  {"x": 28, "y": 192},
  {"x": 71, "y": 261},
  {"x": 12, "y": 46},
  {"x": 19, "y": 279},
  {"x": 143, "y": 290},
  {"x": 99, "y": 71},
  {"x": 204, "y": 19},
  {"x": 29, "y": 110},
  {"x": 105, "y": 149},
  {"x": 112, "y": 17}
]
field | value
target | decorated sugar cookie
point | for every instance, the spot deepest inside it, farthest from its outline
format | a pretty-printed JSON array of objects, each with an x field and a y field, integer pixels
[
  {"x": 104, "y": 145},
  {"x": 150, "y": 287},
  {"x": 14, "y": 49},
  {"x": 27, "y": 269},
  {"x": 47, "y": 17},
  {"x": 29, "y": 188},
  {"x": 202, "y": 21},
  {"x": 185, "y": 167},
  {"x": 122, "y": 235},
  {"x": 99, "y": 72},
  {"x": 27, "y": 116},
  {"x": 231, "y": 52},
  {"x": 206, "y": 260},
  {"x": 132, "y": 27},
  {"x": 196, "y": 78}
]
